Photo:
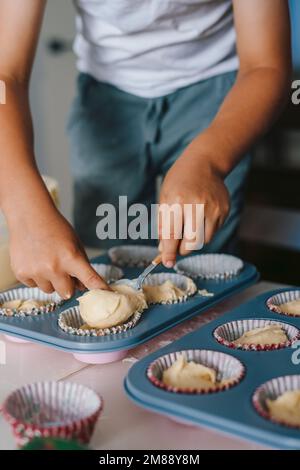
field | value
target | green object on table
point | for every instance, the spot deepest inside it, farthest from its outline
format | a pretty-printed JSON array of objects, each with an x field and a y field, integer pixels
[{"x": 52, "y": 444}]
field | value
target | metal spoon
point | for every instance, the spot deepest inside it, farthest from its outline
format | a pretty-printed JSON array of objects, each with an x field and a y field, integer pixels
[{"x": 138, "y": 282}]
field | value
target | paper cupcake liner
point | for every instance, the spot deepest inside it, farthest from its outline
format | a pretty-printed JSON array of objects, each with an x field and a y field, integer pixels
[
  {"x": 52, "y": 409},
  {"x": 282, "y": 298},
  {"x": 183, "y": 282},
  {"x": 228, "y": 332},
  {"x": 210, "y": 266},
  {"x": 132, "y": 255},
  {"x": 71, "y": 322},
  {"x": 32, "y": 293},
  {"x": 271, "y": 390},
  {"x": 228, "y": 369},
  {"x": 108, "y": 272}
]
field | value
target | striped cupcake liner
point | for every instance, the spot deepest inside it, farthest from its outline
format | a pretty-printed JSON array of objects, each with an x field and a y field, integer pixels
[
  {"x": 229, "y": 370},
  {"x": 52, "y": 409},
  {"x": 108, "y": 272},
  {"x": 52, "y": 301},
  {"x": 70, "y": 321},
  {"x": 274, "y": 302},
  {"x": 228, "y": 332},
  {"x": 210, "y": 266},
  {"x": 272, "y": 390},
  {"x": 138, "y": 256},
  {"x": 182, "y": 282}
]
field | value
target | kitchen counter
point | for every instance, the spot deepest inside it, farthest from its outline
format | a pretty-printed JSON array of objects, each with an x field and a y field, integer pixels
[{"x": 122, "y": 425}]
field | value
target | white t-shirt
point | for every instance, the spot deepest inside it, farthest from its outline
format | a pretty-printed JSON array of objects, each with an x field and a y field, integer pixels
[{"x": 153, "y": 47}]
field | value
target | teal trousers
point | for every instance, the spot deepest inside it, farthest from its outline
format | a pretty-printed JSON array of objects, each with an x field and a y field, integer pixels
[{"x": 120, "y": 143}]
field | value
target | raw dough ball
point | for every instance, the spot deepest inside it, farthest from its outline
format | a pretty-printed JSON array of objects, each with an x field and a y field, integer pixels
[
  {"x": 286, "y": 407},
  {"x": 292, "y": 307},
  {"x": 183, "y": 374},
  {"x": 103, "y": 308},
  {"x": 269, "y": 334}
]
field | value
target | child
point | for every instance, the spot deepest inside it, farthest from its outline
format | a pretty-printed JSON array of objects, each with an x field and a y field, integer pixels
[{"x": 180, "y": 88}]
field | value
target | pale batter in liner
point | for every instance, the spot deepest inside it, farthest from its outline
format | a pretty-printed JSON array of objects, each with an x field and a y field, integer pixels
[
  {"x": 190, "y": 375},
  {"x": 24, "y": 305},
  {"x": 285, "y": 408},
  {"x": 269, "y": 334},
  {"x": 168, "y": 292},
  {"x": 292, "y": 307}
]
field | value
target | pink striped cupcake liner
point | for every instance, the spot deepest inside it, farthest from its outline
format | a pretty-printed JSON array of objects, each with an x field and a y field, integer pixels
[
  {"x": 52, "y": 301},
  {"x": 274, "y": 302},
  {"x": 228, "y": 332},
  {"x": 52, "y": 409},
  {"x": 229, "y": 370},
  {"x": 213, "y": 266},
  {"x": 272, "y": 390}
]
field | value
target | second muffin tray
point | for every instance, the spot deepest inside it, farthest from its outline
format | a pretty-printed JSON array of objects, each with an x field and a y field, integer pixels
[
  {"x": 44, "y": 328},
  {"x": 229, "y": 411}
]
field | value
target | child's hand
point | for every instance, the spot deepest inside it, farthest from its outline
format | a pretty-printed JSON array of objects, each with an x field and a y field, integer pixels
[
  {"x": 46, "y": 253},
  {"x": 190, "y": 181}
]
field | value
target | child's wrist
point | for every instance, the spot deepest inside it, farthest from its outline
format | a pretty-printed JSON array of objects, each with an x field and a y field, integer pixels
[{"x": 28, "y": 210}]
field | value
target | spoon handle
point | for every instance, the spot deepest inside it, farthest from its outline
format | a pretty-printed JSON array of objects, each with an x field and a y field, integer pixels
[{"x": 157, "y": 260}]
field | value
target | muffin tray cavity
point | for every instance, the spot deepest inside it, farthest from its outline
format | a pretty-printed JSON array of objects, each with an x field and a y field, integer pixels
[
  {"x": 232, "y": 411},
  {"x": 44, "y": 329}
]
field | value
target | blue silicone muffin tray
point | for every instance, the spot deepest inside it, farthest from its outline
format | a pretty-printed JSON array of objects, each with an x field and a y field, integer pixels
[
  {"x": 44, "y": 329},
  {"x": 229, "y": 411}
]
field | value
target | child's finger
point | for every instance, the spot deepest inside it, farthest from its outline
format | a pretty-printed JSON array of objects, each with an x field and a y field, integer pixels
[
  {"x": 29, "y": 282},
  {"x": 193, "y": 232},
  {"x": 64, "y": 285},
  {"x": 169, "y": 252},
  {"x": 44, "y": 284},
  {"x": 84, "y": 272},
  {"x": 170, "y": 228}
]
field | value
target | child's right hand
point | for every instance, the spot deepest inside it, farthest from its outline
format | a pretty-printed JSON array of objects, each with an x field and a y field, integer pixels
[{"x": 47, "y": 253}]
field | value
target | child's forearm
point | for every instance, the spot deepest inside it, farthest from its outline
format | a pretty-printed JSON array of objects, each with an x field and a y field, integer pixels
[
  {"x": 253, "y": 104},
  {"x": 44, "y": 250},
  {"x": 22, "y": 191}
]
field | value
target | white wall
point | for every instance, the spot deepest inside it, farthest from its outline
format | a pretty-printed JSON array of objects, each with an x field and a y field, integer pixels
[{"x": 52, "y": 90}]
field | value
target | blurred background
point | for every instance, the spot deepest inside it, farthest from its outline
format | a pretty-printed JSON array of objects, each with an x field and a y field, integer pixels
[{"x": 270, "y": 230}]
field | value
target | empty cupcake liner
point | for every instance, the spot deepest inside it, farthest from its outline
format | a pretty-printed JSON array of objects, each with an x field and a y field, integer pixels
[
  {"x": 132, "y": 255},
  {"x": 108, "y": 272},
  {"x": 272, "y": 390},
  {"x": 229, "y": 369},
  {"x": 183, "y": 282},
  {"x": 52, "y": 409},
  {"x": 228, "y": 332},
  {"x": 71, "y": 322},
  {"x": 210, "y": 266},
  {"x": 276, "y": 300},
  {"x": 26, "y": 293}
]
